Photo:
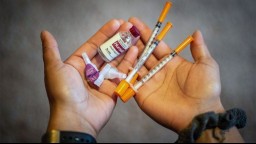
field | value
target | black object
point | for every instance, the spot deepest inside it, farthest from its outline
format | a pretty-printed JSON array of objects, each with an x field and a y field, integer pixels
[
  {"x": 210, "y": 120},
  {"x": 55, "y": 136}
]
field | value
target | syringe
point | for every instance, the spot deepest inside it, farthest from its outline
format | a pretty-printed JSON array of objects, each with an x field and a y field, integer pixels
[
  {"x": 122, "y": 87},
  {"x": 149, "y": 51},
  {"x": 133, "y": 89},
  {"x": 160, "y": 20},
  {"x": 124, "y": 84}
]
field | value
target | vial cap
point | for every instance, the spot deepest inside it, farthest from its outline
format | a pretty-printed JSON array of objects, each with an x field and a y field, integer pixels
[{"x": 134, "y": 31}]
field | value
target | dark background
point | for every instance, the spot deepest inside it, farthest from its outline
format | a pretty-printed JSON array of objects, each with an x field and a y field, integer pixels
[{"x": 228, "y": 27}]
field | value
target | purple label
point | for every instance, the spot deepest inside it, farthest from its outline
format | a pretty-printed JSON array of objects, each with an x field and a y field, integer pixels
[
  {"x": 91, "y": 73},
  {"x": 118, "y": 47}
]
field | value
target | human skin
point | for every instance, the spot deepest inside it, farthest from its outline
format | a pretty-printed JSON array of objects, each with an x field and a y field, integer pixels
[
  {"x": 182, "y": 89},
  {"x": 173, "y": 97},
  {"x": 75, "y": 104}
]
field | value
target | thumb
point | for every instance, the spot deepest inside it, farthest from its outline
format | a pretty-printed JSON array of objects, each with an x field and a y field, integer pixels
[
  {"x": 51, "y": 55},
  {"x": 198, "y": 47}
]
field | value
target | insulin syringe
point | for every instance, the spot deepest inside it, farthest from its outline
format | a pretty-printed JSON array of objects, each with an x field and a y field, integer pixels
[
  {"x": 160, "y": 20},
  {"x": 149, "y": 51},
  {"x": 133, "y": 89},
  {"x": 150, "y": 46},
  {"x": 124, "y": 84}
]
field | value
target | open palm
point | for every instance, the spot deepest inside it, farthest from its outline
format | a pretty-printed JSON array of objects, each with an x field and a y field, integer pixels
[
  {"x": 75, "y": 104},
  {"x": 181, "y": 90}
]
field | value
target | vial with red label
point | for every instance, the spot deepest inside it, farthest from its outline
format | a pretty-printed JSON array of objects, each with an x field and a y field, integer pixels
[{"x": 118, "y": 44}]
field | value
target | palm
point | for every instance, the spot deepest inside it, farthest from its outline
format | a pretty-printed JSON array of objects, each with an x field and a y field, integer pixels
[
  {"x": 96, "y": 106},
  {"x": 76, "y": 105},
  {"x": 177, "y": 88},
  {"x": 181, "y": 90}
]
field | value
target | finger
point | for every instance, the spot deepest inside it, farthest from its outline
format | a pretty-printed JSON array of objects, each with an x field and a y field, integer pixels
[
  {"x": 126, "y": 63},
  {"x": 91, "y": 46},
  {"x": 146, "y": 32},
  {"x": 140, "y": 46},
  {"x": 99, "y": 61},
  {"x": 121, "y": 21},
  {"x": 125, "y": 27},
  {"x": 128, "y": 60},
  {"x": 106, "y": 32},
  {"x": 161, "y": 50},
  {"x": 198, "y": 48},
  {"x": 142, "y": 72},
  {"x": 102, "y": 35},
  {"x": 51, "y": 55},
  {"x": 151, "y": 62},
  {"x": 108, "y": 88}
]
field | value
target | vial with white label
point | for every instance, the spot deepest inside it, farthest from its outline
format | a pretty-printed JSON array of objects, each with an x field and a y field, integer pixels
[{"x": 118, "y": 44}]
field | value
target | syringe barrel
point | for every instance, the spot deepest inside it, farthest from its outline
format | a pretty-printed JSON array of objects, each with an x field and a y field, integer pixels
[
  {"x": 153, "y": 35},
  {"x": 156, "y": 68},
  {"x": 142, "y": 60},
  {"x": 146, "y": 55}
]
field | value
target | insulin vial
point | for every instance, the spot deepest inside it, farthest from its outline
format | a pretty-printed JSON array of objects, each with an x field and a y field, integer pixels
[{"x": 118, "y": 44}]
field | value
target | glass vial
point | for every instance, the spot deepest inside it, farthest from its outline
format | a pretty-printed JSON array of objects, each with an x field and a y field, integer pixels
[{"x": 118, "y": 44}]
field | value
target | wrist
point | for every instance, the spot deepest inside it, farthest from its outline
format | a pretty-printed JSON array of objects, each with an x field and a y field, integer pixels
[
  {"x": 217, "y": 108},
  {"x": 219, "y": 123},
  {"x": 56, "y": 136},
  {"x": 230, "y": 136},
  {"x": 69, "y": 121}
]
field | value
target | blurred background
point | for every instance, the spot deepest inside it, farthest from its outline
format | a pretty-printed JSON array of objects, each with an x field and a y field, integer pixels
[{"x": 228, "y": 27}]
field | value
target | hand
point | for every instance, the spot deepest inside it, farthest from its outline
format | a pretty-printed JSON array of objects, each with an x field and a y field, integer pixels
[
  {"x": 74, "y": 104},
  {"x": 182, "y": 89}
]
